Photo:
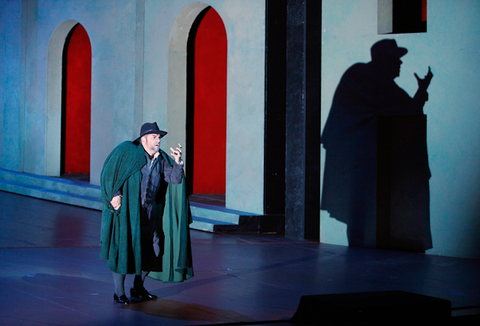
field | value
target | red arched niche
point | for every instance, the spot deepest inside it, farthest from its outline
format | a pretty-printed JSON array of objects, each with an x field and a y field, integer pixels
[
  {"x": 77, "y": 71},
  {"x": 210, "y": 106}
]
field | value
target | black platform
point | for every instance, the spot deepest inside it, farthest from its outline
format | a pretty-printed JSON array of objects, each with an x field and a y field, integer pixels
[{"x": 383, "y": 307}]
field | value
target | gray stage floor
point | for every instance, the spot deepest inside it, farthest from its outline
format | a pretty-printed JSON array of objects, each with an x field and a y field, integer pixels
[{"x": 51, "y": 274}]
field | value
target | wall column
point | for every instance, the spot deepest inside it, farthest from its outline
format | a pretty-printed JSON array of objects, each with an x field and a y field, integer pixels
[{"x": 302, "y": 195}]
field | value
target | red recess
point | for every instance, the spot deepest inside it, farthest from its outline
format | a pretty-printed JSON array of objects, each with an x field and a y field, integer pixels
[
  {"x": 78, "y": 103},
  {"x": 210, "y": 110},
  {"x": 424, "y": 10}
]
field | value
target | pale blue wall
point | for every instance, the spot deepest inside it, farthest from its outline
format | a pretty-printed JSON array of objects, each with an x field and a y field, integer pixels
[
  {"x": 245, "y": 26},
  {"x": 30, "y": 25},
  {"x": 129, "y": 40},
  {"x": 112, "y": 27},
  {"x": 10, "y": 80},
  {"x": 451, "y": 47}
]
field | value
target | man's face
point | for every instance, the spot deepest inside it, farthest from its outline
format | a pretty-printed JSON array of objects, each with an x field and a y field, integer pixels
[{"x": 151, "y": 143}]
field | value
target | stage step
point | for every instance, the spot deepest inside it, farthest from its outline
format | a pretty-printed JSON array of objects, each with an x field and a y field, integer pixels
[
  {"x": 72, "y": 192},
  {"x": 205, "y": 217}
]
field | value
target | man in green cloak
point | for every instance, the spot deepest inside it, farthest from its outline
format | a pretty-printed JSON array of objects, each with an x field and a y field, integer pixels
[{"x": 145, "y": 214}]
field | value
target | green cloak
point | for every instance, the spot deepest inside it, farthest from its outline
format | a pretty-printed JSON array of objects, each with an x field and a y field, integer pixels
[{"x": 120, "y": 237}]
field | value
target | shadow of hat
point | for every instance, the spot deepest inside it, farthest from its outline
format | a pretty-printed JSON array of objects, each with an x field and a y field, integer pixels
[
  {"x": 150, "y": 128},
  {"x": 386, "y": 48}
]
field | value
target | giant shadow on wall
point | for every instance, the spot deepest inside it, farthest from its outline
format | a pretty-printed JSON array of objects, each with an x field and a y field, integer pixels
[{"x": 376, "y": 177}]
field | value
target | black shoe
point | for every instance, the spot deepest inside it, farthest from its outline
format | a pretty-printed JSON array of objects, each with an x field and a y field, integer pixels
[
  {"x": 142, "y": 294},
  {"x": 122, "y": 300}
]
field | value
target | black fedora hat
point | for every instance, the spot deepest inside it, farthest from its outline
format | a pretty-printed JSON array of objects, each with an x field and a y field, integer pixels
[
  {"x": 386, "y": 48},
  {"x": 150, "y": 128}
]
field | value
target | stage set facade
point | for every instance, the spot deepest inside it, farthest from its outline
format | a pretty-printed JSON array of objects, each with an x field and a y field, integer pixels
[{"x": 247, "y": 88}]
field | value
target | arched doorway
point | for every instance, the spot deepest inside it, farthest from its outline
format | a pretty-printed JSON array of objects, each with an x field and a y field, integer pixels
[
  {"x": 76, "y": 104},
  {"x": 206, "y": 104}
]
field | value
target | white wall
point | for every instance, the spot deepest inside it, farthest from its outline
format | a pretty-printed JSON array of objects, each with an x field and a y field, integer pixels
[{"x": 451, "y": 47}]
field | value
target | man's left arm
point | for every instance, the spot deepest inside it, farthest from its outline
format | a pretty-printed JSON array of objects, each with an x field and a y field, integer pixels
[{"x": 174, "y": 174}]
